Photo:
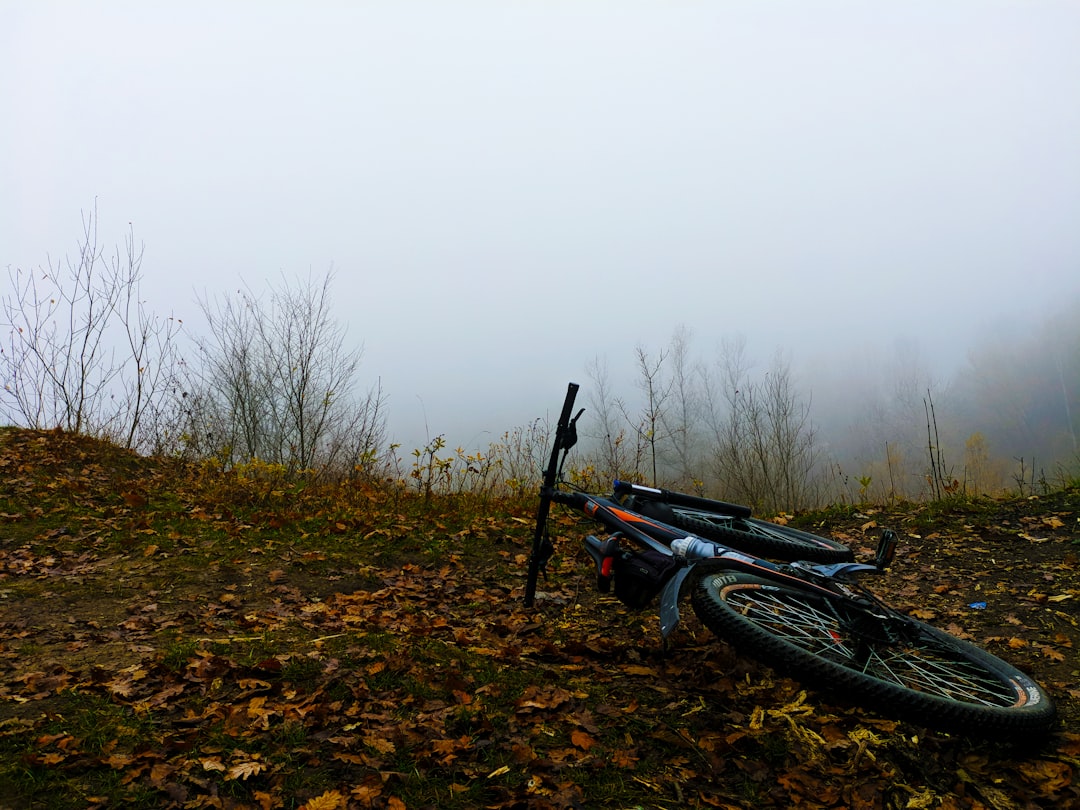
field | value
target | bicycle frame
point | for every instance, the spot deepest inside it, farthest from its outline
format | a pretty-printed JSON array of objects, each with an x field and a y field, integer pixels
[
  {"x": 827, "y": 579},
  {"x": 814, "y": 620},
  {"x": 650, "y": 533}
]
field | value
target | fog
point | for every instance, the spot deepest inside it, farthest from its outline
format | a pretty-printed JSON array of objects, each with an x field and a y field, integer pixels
[{"x": 505, "y": 192}]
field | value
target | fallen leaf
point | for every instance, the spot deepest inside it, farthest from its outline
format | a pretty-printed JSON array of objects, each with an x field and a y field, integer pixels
[
  {"x": 331, "y": 800},
  {"x": 582, "y": 740},
  {"x": 242, "y": 770}
]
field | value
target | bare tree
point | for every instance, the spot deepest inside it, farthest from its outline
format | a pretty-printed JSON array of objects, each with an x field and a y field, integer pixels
[
  {"x": 682, "y": 418},
  {"x": 316, "y": 370},
  {"x": 82, "y": 352},
  {"x": 648, "y": 423},
  {"x": 146, "y": 417},
  {"x": 228, "y": 409},
  {"x": 58, "y": 366},
  {"x": 615, "y": 458},
  {"x": 277, "y": 383},
  {"x": 763, "y": 452}
]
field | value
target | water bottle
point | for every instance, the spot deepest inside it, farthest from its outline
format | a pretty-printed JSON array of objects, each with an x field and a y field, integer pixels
[{"x": 693, "y": 548}]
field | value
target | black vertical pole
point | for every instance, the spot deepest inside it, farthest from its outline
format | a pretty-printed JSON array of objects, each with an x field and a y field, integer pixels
[{"x": 545, "y": 493}]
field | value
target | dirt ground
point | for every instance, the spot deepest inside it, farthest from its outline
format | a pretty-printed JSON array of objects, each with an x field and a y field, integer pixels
[
  {"x": 111, "y": 579},
  {"x": 1001, "y": 573}
]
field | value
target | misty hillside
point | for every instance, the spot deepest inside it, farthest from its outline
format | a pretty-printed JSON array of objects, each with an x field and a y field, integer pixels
[{"x": 273, "y": 379}]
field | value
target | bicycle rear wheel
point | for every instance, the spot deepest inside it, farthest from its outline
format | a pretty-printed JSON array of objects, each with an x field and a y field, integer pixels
[
  {"x": 758, "y": 537},
  {"x": 872, "y": 655}
]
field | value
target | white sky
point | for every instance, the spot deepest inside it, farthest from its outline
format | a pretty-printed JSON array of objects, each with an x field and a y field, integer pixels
[{"x": 507, "y": 189}]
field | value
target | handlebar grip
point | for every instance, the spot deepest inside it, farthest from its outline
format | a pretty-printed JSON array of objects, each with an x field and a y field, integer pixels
[{"x": 566, "y": 498}]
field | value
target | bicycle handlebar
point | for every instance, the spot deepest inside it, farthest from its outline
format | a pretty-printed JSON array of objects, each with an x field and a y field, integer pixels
[
  {"x": 604, "y": 510},
  {"x": 565, "y": 437}
]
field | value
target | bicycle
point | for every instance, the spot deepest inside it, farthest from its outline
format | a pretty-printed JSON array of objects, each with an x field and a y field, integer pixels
[{"x": 813, "y": 620}]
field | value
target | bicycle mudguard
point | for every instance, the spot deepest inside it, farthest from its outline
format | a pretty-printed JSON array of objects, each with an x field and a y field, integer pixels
[
  {"x": 669, "y": 601},
  {"x": 730, "y": 561}
]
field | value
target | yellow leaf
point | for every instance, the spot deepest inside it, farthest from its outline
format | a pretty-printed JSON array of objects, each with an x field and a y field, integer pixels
[
  {"x": 242, "y": 770},
  {"x": 119, "y": 761},
  {"x": 757, "y": 718},
  {"x": 367, "y": 792},
  {"x": 379, "y": 744},
  {"x": 1017, "y": 643},
  {"x": 331, "y": 800}
]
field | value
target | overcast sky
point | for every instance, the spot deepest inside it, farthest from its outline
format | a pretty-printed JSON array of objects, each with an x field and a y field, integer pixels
[{"x": 508, "y": 189}]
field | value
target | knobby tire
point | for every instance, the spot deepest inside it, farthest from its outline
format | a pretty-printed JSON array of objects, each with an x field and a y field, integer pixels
[
  {"x": 759, "y": 537},
  {"x": 873, "y": 656}
]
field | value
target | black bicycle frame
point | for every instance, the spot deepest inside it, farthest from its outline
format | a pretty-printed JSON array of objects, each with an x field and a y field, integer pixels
[
  {"x": 645, "y": 531},
  {"x": 655, "y": 534}
]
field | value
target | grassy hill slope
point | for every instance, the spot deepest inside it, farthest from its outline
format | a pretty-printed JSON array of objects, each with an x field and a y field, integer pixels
[{"x": 175, "y": 636}]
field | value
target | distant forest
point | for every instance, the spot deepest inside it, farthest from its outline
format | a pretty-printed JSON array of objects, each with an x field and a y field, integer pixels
[{"x": 1008, "y": 420}]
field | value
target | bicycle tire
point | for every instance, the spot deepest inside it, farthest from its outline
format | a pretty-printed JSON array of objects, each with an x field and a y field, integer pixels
[
  {"x": 874, "y": 656},
  {"x": 758, "y": 537}
]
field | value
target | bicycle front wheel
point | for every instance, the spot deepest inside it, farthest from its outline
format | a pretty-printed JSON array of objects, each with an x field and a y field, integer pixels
[{"x": 872, "y": 655}]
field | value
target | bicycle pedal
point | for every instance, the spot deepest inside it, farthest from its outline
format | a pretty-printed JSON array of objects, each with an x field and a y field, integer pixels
[{"x": 886, "y": 550}]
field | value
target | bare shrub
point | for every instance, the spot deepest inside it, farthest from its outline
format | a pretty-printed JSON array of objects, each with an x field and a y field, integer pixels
[
  {"x": 763, "y": 452},
  {"x": 276, "y": 382},
  {"x": 84, "y": 354}
]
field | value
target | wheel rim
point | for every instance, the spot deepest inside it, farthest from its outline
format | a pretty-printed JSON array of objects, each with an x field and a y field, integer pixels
[{"x": 921, "y": 665}]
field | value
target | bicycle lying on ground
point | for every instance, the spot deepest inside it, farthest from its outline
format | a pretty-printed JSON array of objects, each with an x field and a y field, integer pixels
[{"x": 804, "y": 612}]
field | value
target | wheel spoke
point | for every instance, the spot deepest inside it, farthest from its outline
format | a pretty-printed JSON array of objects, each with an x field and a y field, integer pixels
[
  {"x": 922, "y": 665},
  {"x": 926, "y": 669}
]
